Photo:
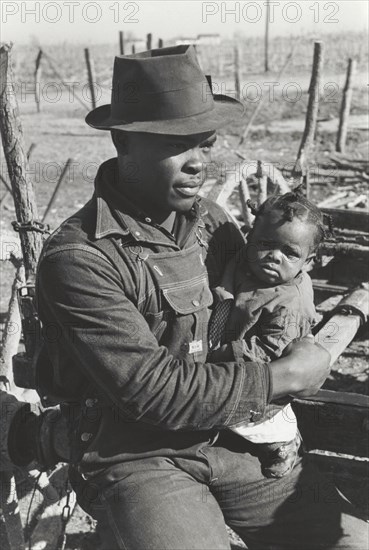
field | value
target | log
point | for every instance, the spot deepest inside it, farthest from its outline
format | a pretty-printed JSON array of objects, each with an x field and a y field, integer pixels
[
  {"x": 348, "y": 315},
  {"x": 121, "y": 43},
  {"x": 227, "y": 189},
  {"x": 16, "y": 159},
  {"x": 248, "y": 218},
  {"x": 38, "y": 80},
  {"x": 12, "y": 329},
  {"x": 262, "y": 183},
  {"x": 148, "y": 41},
  {"x": 10, "y": 512},
  {"x": 348, "y": 219},
  {"x": 90, "y": 76},
  {"x": 345, "y": 107},
  {"x": 312, "y": 109},
  {"x": 347, "y": 250}
]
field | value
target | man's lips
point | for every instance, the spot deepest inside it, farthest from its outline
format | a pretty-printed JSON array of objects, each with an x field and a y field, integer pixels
[{"x": 188, "y": 189}]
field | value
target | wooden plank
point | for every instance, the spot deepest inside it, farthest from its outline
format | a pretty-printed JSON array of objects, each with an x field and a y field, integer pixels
[
  {"x": 350, "y": 476},
  {"x": 349, "y": 219},
  {"x": 346, "y": 250},
  {"x": 334, "y": 426}
]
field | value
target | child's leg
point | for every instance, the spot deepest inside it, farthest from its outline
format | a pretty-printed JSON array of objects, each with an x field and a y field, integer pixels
[{"x": 278, "y": 441}]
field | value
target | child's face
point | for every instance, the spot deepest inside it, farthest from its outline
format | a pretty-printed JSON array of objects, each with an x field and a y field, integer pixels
[{"x": 278, "y": 249}]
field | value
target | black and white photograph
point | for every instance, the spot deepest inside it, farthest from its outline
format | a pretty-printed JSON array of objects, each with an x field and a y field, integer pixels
[{"x": 184, "y": 280}]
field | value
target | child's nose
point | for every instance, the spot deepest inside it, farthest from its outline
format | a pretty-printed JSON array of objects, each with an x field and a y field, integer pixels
[{"x": 275, "y": 255}]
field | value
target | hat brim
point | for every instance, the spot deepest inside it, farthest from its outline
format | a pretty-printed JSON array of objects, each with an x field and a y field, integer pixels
[{"x": 226, "y": 109}]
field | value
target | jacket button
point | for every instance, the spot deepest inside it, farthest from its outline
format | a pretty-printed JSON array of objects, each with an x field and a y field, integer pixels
[
  {"x": 196, "y": 303},
  {"x": 90, "y": 402},
  {"x": 86, "y": 436}
]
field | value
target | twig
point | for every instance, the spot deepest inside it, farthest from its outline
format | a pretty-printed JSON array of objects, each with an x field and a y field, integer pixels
[{"x": 57, "y": 188}]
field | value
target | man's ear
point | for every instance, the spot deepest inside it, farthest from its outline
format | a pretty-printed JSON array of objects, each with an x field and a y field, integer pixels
[{"x": 120, "y": 140}]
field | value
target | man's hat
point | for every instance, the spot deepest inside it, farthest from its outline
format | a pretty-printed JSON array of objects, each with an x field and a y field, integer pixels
[{"x": 163, "y": 91}]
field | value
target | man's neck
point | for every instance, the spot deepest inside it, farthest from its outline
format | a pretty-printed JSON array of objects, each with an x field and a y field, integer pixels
[{"x": 168, "y": 223}]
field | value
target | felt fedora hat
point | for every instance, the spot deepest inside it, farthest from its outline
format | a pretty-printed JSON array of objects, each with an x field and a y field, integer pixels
[{"x": 163, "y": 91}]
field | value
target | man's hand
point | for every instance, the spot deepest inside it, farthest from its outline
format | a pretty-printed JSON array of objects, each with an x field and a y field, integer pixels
[{"x": 301, "y": 371}]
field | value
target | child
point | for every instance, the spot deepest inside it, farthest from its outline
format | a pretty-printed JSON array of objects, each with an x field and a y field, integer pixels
[{"x": 270, "y": 302}]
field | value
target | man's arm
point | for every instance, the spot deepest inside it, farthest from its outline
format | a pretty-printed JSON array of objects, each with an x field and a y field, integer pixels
[{"x": 110, "y": 342}]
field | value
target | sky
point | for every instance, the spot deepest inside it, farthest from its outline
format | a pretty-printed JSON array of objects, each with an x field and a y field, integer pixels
[{"x": 93, "y": 22}]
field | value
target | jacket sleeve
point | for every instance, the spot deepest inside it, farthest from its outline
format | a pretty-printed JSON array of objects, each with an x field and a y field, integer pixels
[{"x": 110, "y": 342}]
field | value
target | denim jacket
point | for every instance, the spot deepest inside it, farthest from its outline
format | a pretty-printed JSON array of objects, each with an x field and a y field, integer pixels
[{"x": 124, "y": 306}]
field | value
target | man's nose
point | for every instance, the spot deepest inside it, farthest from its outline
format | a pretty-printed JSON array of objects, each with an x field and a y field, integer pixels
[{"x": 194, "y": 163}]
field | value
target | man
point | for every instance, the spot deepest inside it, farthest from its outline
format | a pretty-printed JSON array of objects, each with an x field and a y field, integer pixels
[{"x": 125, "y": 281}]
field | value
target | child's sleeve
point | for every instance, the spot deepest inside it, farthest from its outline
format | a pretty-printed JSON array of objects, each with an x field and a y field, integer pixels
[{"x": 273, "y": 332}]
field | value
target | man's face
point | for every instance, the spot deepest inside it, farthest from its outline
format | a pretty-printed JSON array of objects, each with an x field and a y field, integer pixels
[
  {"x": 278, "y": 249},
  {"x": 164, "y": 173}
]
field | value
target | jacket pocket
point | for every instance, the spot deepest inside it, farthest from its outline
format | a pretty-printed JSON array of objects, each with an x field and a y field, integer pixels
[{"x": 189, "y": 297}]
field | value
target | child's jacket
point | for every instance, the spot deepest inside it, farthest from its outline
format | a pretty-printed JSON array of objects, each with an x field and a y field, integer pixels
[{"x": 267, "y": 318}]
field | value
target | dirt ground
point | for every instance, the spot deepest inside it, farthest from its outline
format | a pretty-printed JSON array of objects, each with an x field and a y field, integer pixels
[{"x": 59, "y": 133}]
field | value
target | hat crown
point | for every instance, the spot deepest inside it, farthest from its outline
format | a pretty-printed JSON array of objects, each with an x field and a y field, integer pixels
[
  {"x": 160, "y": 70},
  {"x": 162, "y": 84}
]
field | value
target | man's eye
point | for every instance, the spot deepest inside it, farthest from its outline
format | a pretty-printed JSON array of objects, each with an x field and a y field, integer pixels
[
  {"x": 177, "y": 146},
  {"x": 207, "y": 147}
]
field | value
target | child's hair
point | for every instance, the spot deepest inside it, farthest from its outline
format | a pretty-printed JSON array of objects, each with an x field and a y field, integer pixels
[{"x": 295, "y": 204}]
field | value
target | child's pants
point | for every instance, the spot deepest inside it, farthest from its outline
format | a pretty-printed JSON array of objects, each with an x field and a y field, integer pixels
[{"x": 279, "y": 424}]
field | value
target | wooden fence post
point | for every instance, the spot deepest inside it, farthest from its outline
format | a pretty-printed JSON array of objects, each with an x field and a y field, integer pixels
[
  {"x": 237, "y": 86},
  {"x": 30, "y": 237},
  {"x": 312, "y": 109},
  {"x": 16, "y": 159},
  {"x": 266, "y": 38},
  {"x": 262, "y": 183},
  {"x": 38, "y": 80},
  {"x": 248, "y": 218},
  {"x": 160, "y": 43},
  {"x": 90, "y": 76},
  {"x": 121, "y": 43},
  {"x": 345, "y": 107},
  {"x": 148, "y": 41},
  {"x": 133, "y": 47}
]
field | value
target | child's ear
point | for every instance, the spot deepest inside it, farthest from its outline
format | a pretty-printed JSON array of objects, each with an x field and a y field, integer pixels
[{"x": 308, "y": 264}]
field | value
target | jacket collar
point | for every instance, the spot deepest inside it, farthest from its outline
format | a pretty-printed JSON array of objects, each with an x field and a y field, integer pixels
[{"x": 117, "y": 215}]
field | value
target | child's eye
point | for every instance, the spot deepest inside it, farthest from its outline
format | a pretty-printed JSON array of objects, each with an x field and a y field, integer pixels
[{"x": 290, "y": 253}]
